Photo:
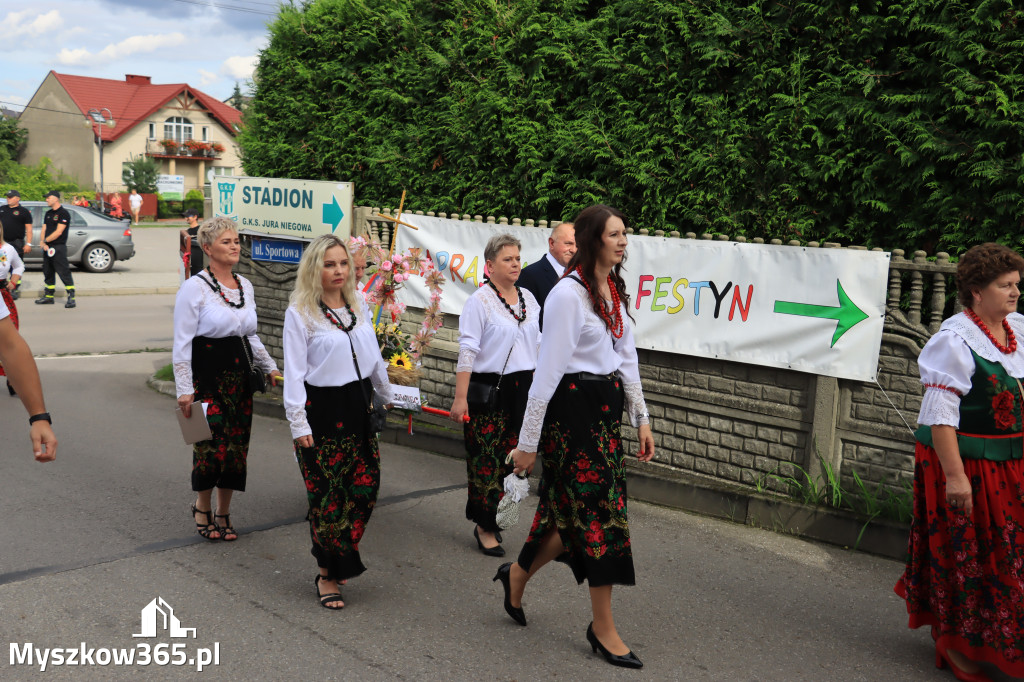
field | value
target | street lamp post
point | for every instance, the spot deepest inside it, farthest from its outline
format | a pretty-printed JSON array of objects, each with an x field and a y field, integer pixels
[{"x": 95, "y": 120}]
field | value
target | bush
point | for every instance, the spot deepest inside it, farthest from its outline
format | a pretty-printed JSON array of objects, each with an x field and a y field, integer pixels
[
  {"x": 886, "y": 124},
  {"x": 140, "y": 173},
  {"x": 35, "y": 181}
]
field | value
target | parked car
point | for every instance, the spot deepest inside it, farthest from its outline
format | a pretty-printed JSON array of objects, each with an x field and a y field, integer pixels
[{"x": 95, "y": 241}]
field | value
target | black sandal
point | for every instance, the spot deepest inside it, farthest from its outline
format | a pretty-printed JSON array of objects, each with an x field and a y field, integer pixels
[
  {"x": 226, "y": 529},
  {"x": 329, "y": 598},
  {"x": 204, "y": 528}
]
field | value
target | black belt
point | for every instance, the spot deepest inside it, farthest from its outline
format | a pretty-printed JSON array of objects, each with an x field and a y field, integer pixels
[{"x": 587, "y": 376}]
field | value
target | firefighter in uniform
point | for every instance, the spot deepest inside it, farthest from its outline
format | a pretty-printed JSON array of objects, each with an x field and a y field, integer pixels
[
  {"x": 54, "y": 242},
  {"x": 17, "y": 226}
]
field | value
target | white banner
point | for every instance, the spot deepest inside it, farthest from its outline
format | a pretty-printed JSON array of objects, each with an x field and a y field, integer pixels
[{"x": 808, "y": 309}]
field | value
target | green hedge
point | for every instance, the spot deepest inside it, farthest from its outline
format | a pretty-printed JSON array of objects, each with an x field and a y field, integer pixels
[{"x": 886, "y": 124}]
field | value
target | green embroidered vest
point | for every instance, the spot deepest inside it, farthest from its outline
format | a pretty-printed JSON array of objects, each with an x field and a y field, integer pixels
[{"x": 990, "y": 416}]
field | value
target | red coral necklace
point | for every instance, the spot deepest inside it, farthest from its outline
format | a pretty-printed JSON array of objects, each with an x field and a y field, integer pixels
[
  {"x": 1011, "y": 340},
  {"x": 613, "y": 320}
]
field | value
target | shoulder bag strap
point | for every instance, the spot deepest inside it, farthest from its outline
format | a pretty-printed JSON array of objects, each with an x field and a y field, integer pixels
[
  {"x": 514, "y": 338},
  {"x": 355, "y": 361}
]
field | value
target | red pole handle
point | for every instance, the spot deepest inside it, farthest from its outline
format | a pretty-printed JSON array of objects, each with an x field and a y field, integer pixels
[{"x": 442, "y": 413}]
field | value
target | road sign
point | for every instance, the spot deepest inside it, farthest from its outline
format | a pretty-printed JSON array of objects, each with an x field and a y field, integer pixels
[
  {"x": 298, "y": 209},
  {"x": 277, "y": 250}
]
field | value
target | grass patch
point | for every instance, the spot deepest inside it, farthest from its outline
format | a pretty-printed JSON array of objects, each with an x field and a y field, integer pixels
[{"x": 165, "y": 373}]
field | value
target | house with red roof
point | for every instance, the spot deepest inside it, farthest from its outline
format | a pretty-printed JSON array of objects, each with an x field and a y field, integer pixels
[{"x": 188, "y": 131}]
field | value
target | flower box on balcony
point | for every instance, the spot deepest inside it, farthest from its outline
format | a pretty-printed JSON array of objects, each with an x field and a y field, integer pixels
[{"x": 170, "y": 146}]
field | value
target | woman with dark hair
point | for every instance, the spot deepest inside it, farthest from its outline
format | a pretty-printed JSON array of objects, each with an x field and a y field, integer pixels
[
  {"x": 215, "y": 346},
  {"x": 966, "y": 564},
  {"x": 498, "y": 334},
  {"x": 587, "y": 371},
  {"x": 332, "y": 358}
]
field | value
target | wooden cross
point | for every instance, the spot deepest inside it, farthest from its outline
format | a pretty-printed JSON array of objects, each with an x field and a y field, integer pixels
[{"x": 397, "y": 221}]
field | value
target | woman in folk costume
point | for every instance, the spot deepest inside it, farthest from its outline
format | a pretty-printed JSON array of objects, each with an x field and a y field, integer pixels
[
  {"x": 498, "y": 334},
  {"x": 215, "y": 348},
  {"x": 11, "y": 270},
  {"x": 587, "y": 372},
  {"x": 332, "y": 365},
  {"x": 966, "y": 550}
]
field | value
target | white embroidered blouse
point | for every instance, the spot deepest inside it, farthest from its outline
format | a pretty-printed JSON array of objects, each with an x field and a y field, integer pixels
[
  {"x": 577, "y": 340},
  {"x": 318, "y": 353},
  {"x": 199, "y": 311},
  {"x": 947, "y": 366},
  {"x": 487, "y": 332},
  {"x": 10, "y": 262}
]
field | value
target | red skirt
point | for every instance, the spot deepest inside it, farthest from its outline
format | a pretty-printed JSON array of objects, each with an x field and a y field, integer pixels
[
  {"x": 9, "y": 300},
  {"x": 964, "y": 574}
]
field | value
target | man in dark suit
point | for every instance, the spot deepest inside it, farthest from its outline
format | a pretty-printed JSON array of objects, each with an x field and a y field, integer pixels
[{"x": 539, "y": 277}]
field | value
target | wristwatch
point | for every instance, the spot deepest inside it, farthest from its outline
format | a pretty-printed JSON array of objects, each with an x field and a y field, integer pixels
[{"x": 41, "y": 417}]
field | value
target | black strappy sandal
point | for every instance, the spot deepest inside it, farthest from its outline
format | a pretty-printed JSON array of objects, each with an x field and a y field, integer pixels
[
  {"x": 226, "y": 529},
  {"x": 204, "y": 528},
  {"x": 327, "y": 599}
]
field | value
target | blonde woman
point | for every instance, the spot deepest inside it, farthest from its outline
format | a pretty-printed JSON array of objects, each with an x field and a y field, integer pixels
[
  {"x": 333, "y": 364},
  {"x": 214, "y": 339}
]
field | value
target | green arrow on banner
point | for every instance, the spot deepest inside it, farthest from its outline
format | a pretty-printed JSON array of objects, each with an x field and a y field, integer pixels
[
  {"x": 333, "y": 213},
  {"x": 847, "y": 314}
]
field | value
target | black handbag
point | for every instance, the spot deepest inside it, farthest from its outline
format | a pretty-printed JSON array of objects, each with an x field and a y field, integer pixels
[
  {"x": 257, "y": 379},
  {"x": 481, "y": 393},
  {"x": 376, "y": 412}
]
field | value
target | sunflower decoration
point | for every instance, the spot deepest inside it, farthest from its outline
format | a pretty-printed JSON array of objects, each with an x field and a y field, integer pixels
[{"x": 402, "y": 360}]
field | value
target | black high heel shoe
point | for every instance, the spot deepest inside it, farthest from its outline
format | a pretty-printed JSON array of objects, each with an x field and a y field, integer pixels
[
  {"x": 497, "y": 550},
  {"x": 503, "y": 574},
  {"x": 629, "y": 660}
]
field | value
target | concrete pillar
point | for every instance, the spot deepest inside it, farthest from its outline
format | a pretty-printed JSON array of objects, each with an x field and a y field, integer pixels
[{"x": 823, "y": 445}]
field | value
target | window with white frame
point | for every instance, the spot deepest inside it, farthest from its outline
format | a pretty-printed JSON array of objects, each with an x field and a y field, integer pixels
[
  {"x": 206, "y": 133},
  {"x": 152, "y": 131},
  {"x": 178, "y": 128}
]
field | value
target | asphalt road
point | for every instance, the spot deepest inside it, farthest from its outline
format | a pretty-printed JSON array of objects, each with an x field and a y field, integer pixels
[{"x": 88, "y": 541}]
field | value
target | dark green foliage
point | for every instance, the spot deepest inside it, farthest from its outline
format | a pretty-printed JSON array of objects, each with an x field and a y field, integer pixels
[
  {"x": 140, "y": 173},
  {"x": 12, "y": 138},
  {"x": 887, "y": 124},
  {"x": 35, "y": 181}
]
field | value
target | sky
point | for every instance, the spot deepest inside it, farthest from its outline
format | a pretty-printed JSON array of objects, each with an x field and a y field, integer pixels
[{"x": 209, "y": 44}]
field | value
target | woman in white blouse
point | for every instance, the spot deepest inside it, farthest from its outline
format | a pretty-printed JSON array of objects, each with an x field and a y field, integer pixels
[
  {"x": 587, "y": 371},
  {"x": 214, "y": 342},
  {"x": 498, "y": 335},
  {"x": 965, "y": 563},
  {"x": 332, "y": 365},
  {"x": 11, "y": 270}
]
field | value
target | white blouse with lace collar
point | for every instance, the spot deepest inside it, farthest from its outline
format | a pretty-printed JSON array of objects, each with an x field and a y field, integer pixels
[
  {"x": 947, "y": 366},
  {"x": 200, "y": 311},
  {"x": 318, "y": 353},
  {"x": 577, "y": 340}
]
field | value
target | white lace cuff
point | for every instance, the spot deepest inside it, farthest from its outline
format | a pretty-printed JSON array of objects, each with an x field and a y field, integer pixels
[
  {"x": 940, "y": 406},
  {"x": 636, "y": 408},
  {"x": 297, "y": 421},
  {"x": 466, "y": 359},
  {"x": 183, "y": 379},
  {"x": 533, "y": 422},
  {"x": 261, "y": 358}
]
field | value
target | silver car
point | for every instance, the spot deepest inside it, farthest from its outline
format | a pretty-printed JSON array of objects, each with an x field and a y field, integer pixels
[{"x": 95, "y": 241}]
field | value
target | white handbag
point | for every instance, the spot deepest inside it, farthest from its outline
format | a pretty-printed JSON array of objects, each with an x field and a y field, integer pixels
[{"x": 517, "y": 489}]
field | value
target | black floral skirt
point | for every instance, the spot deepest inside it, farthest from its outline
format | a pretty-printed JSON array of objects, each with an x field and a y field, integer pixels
[
  {"x": 490, "y": 435},
  {"x": 220, "y": 373},
  {"x": 342, "y": 475},
  {"x": 583, "y": 484}
]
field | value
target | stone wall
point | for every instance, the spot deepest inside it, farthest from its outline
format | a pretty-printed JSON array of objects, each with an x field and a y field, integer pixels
[{"x": 728, "y": 422}]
